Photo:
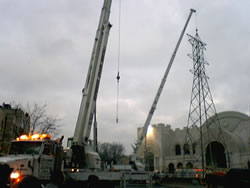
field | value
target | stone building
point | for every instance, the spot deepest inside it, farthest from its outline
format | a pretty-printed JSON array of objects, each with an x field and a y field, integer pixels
[
  {"x": 13, "y": 123},
  {"x": 170, "y": 149}
]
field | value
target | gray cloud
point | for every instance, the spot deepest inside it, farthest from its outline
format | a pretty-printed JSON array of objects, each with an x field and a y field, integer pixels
[{"x": 46, "y": 47}]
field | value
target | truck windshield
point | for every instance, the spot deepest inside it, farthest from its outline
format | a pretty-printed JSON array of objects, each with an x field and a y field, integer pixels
[{"x": 25, "y": 147}]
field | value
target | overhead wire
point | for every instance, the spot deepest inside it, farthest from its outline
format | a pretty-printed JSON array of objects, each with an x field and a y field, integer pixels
[
  {"x": 196, "y": 21},
  {"x": 118, "y": 61}
]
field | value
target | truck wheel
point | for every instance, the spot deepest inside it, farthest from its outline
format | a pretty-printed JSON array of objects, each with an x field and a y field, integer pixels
[{"x": 93, "y": 182}]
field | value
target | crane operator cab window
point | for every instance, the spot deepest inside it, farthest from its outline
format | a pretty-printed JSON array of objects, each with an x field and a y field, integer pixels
[{"x": 70, "y": 142}]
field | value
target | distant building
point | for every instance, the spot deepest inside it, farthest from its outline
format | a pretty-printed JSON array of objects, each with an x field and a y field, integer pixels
[
  {"x": 13, "y": 123},
  {"x": 170, "y": 150}
]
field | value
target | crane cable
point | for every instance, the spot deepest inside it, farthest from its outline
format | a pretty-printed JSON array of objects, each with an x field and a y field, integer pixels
[
  {"x": 196, "y": 21},
  {"x": 118, "y": 62}
]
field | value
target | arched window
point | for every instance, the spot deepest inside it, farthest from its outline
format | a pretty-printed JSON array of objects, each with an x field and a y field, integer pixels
[
  {"x": 1, "y": 127},
  {"x": 215, "y": 155},
  {"x": 186, "y": 149},
  {"x": 179, "y": 165},
  {"x": 178, "y": 149},
  {"x": 189, "y": 165},
  {"x": 149, "y": 161},
  {"x": 171, "y": 168},
  {"x": 194, "y": 148}
]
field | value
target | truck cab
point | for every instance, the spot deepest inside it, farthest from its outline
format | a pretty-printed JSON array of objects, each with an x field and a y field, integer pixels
[{"x": 33, "y": 155}]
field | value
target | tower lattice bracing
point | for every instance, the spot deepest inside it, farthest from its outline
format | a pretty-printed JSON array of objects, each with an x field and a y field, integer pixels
[{"x": 203, "y": 125}]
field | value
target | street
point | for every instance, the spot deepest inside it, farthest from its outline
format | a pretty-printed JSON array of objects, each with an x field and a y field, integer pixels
[{"x": 170, "y": 185}]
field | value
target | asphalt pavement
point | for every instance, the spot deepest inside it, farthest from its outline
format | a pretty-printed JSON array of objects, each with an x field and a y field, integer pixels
[{"x": 171, "y": 185}]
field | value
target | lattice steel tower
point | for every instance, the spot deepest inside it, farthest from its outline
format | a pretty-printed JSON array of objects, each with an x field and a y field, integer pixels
[{"x": 203, "y": 124}]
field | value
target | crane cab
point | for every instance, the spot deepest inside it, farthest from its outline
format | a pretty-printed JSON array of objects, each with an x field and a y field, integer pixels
[{"x": 84, "y": 156}]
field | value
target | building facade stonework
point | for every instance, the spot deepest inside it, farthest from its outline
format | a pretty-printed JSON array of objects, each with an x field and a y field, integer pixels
[
  {"x": 13, "y": 123},
  {"x": 171, "y": 151}
]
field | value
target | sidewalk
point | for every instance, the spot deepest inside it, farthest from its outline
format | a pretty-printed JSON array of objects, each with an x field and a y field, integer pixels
[{"x": 184, "y": 185}]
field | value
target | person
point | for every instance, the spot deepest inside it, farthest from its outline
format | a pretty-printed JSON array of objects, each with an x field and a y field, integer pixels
[{"x": 5, "y": 171}]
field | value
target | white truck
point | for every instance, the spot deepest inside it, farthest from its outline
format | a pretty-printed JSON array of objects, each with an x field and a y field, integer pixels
[
  {"x": 34, "y": 155},
  {"x": 41, "y": 157}
]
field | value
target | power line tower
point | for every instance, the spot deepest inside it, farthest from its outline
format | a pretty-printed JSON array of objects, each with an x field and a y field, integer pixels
[{"x": 203, "y": 123}]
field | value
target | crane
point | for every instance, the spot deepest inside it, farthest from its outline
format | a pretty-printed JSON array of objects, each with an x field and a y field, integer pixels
[
  {"x": 134, "y": 160},
  {"x": 81, "y": 150}
]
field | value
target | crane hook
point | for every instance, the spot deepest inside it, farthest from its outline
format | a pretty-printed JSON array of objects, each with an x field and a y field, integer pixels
[{"x": 118, "y": 77}]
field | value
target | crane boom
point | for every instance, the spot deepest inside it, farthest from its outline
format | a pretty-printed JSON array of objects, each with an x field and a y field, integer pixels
[
  {"x": 90, "y": 91},
  {"x": 153, "y": 107}
]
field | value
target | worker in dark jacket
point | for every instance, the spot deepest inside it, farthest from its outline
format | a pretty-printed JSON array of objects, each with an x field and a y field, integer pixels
[{"x": 5, "y": 171}]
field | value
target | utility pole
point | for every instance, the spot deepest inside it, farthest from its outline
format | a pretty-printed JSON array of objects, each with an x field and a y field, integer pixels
[{"x": 202, "y": 113}]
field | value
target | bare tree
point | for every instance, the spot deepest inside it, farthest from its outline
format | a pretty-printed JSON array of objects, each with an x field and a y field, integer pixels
[
  {"x": 111, "y": 152},
  {"x": 40, "y": 121},
  {"x": 104, "y": 151},
  {"x": 117, "y": 151}
]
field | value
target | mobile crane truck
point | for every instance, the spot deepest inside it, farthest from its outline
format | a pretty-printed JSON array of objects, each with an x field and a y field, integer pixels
[
  {"x": 40, "y": 156},
  {"x": 82, "y": 162}
]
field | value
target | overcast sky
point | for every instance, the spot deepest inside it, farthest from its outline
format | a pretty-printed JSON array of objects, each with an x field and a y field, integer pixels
[{"x": 45, "y": 49}]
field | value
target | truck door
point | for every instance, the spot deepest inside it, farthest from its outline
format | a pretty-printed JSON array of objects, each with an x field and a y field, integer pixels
[{"x": 47, "y": 161}]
